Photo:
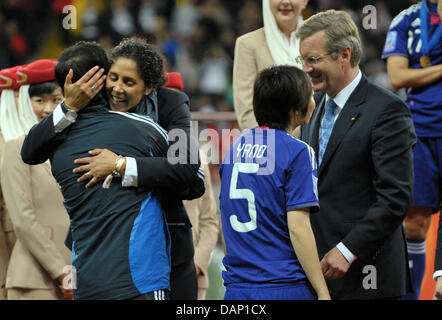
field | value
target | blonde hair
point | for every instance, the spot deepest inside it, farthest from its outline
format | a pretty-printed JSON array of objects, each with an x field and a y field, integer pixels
[{"x": 340, "y": 32}]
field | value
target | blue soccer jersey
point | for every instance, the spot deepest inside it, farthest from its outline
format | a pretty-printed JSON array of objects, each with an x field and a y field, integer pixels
[
  {"x": 265, "y": 174},
  {"x": 404, "y": 39}
]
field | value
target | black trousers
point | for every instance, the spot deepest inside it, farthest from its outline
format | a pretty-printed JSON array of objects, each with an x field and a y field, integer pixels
[{"x": 183, "y": 281}]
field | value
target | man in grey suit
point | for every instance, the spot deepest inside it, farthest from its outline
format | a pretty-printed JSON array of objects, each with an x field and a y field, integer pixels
[{"x": 363, "y": 136}]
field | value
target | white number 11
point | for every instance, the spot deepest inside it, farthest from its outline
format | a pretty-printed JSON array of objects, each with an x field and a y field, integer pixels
[{"x": 243, "y": 194}]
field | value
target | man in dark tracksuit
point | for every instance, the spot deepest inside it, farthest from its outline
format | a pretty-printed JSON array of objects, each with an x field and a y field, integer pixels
[
  {"x": 121, "y": 245},
  {"x": 171, "y": 110},
  {"x": 176, "y": 181}
]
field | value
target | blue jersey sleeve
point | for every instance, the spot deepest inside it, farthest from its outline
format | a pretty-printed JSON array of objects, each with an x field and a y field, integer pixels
[
  {"x": 301, "y": 184},
  {"x": 396, "y": 41}
]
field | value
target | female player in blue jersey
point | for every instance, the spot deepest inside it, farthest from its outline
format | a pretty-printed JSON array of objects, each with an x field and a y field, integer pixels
[
  {"x": 268, "y": 186},
  {"x": 413, "y": 49}
]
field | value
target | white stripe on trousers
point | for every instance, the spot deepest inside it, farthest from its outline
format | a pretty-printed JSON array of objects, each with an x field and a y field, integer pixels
[{"x": 158, "y": 295}]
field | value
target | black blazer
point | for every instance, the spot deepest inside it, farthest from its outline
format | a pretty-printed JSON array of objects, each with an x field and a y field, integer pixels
[
  {"x": 365, "y": 185},
  {"x": 177, "y": 182}
]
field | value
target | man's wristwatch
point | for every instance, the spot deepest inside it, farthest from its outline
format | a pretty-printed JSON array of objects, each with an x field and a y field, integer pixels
[
  {"x": 69, "y": 113},
  {"x": 69, "y": 117}
]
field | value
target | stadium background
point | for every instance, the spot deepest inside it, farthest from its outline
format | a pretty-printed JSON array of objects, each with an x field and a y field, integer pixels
[{"x": 197, "y": 38}]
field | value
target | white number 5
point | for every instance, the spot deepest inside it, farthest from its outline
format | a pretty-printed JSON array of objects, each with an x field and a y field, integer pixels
[{"x": 243, "y": 194}]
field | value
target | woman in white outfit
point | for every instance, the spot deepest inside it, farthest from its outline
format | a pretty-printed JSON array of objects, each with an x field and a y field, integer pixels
[{"x": 274, "y": 44}]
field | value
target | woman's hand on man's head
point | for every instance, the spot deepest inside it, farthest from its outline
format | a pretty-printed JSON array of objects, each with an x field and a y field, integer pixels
[{"x": 80, "y": 93}]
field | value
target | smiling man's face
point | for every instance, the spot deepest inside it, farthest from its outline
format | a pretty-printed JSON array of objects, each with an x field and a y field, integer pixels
[{"x": 326, "y": 73}]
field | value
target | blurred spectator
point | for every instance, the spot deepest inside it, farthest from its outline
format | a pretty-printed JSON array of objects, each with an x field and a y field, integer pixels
[
  {"x": 106, "y": 42},
  {"x": 121, "y": 23},
  {"x": 170, "y": 48},
  {"x": 213, "y": 9},
  {"x": 58, "y": 5},
  {"x": 249, "y": 17},
  {"x": 184, "y": 18},
  {"x": 214, "y": 71},
  {"x": 383, "y": 18},
  {"x": 4, "y": 57},
  {"x": 90, "y": 19},
  {"x": 147, "y": 16},
  {"x": 377, "y": 73},
  {"x": 187, "y": 65},
  {"x": 57, "y": 9},
  {"x": 16, "y": 42}
]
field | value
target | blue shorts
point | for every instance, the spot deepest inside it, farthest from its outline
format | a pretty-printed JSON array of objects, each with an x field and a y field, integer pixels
[
  {"x": 293, "y": 291},
  {"x": 428, "y": 173}
]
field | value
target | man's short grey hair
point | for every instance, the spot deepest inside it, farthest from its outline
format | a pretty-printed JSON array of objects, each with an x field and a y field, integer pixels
[{"x": 340, "y": 32}]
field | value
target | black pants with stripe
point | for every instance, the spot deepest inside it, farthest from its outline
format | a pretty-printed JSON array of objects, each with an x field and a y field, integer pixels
[{"x": 154, "y": 295}]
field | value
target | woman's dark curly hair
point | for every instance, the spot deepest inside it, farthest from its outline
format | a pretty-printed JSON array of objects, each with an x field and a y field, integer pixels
[{"x": 149, "y": 61}]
